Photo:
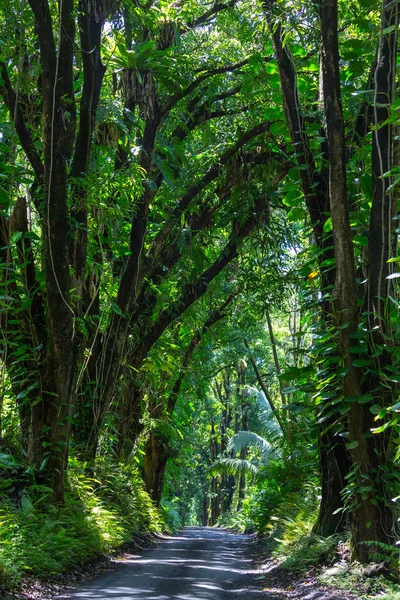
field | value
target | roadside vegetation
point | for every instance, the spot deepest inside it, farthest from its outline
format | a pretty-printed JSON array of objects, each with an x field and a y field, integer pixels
[{"x": 105, "y": 508}]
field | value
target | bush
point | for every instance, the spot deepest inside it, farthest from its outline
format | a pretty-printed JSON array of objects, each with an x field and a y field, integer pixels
[{"x": 102, "y": 510}]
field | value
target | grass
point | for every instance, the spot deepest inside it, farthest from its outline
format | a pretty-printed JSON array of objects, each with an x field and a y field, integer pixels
[{"x": 102, "y": 511}]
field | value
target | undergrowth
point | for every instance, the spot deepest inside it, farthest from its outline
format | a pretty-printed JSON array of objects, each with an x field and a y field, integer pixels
[
  {"x": 283, "y": 511},
  {"x": 103, "y": 509}
]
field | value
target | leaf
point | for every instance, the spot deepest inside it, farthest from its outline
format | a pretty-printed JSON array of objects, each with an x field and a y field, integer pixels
[
  {"x": 243, "y": 439},
  {"x": 360, "y": 348},
  {"x": 361, "y": 362},
  {"x": 360, "y": 240},
  {"x": 4, "y": 196},
  {"x": 296, "y": 214},
  {"x": 278, "y": 128},
  {"x": 328, "y": 225},
  {"x": 8, "y": 461},
  {"x": 233, "y": 466},
  {"x": 366, "y": 184},
  {"x": 117, "y": 309},
  {"x": 364, "y": 399},
  {"x": 290, "y": 374},
  {"x": 380, "y": 429},
  {"x": 352, "y": 445},
  {"x": 328, "y": 262},
  {"x": 16, "y": 237},
  {"x": 389, "y": 29}
]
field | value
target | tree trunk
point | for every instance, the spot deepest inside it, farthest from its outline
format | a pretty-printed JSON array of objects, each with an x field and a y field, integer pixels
[
  {"x": 129, "y": 412},
  {"x": 315, "y": 188},
  {"x": 334, "y": 466},
  {"x": 245, "y": 427},
  {"x": 373, "y": 520},
  {"x": 215, "y": 503},
  {"x": 275, "y": 354},
  {"x": 157, "y": 453}
]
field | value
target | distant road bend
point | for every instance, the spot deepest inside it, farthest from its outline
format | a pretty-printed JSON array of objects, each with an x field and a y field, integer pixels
[{"x": 200, "y": 563}]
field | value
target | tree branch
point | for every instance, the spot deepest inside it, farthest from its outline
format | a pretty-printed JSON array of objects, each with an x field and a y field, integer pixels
[
  {"x": 213, "y": 318},
  {"x": 167, "y": 107},
  {"x": 206, "y": 17},
  {"x": 264, "y": 388},
  {"x": 15, "y": 110},
  {"x": 194, "y": 291},
  {"x": 209, "y": 176}
]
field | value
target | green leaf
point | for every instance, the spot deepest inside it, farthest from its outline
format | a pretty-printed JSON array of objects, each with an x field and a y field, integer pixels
[
  {"x": 328, "y": 225},
  {"x": 364, "y": 399},
  {"x": 359, "y": 399},
  {"x": 389, "y": 29},
  {"x": 290, "y": 374},
  {"x": 16, "y": 237},
  {"x": 360, "y": 240},
  {"x": 296, "y": 214},
  {"x": 360, "y": 348},
  {"x": 328, "y": 262},
  {"x": 117, "y": 309},
  {"x": 352, "y": 445},
  {"x": 278, "y": 128},
  {"x": 361, "y": 362},
  {"x": 366, "y": 184}
]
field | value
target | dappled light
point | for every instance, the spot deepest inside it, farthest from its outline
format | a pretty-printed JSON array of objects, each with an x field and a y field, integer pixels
[{"x": 197, "y": 564}]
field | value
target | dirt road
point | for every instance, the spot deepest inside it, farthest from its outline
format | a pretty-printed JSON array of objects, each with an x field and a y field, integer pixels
[{"x": 198, "y": 564}]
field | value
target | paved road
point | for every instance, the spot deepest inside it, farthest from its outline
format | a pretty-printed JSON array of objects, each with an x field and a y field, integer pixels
[{"x": 199, "y": 564}]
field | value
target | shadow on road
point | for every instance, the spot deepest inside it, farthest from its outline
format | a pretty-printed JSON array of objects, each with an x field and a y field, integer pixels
[{"x": 199, "y": 564}]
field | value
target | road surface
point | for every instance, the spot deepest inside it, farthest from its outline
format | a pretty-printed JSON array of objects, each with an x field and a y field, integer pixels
[{"x": 200, "y": 563}]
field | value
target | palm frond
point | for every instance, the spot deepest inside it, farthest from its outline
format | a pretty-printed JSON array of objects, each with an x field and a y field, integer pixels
[
  {"x": 244, "y": 439},
  {"x": 266, "y": 416},
  {"x": 233, "y": 466}
]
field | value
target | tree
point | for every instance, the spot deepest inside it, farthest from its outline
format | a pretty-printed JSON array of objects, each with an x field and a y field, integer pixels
[
  {"x": 106, "y": 229},
  {"x": 326, "y": 196}
]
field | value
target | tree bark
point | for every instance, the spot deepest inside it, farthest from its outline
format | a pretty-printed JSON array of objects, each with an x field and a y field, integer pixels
[
  {"x": 373, "y": 521},
  {"x": 315, "y": 188}
]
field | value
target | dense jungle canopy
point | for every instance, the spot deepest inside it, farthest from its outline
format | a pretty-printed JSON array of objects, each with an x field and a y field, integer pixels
[{"x": 199, "y": 246}]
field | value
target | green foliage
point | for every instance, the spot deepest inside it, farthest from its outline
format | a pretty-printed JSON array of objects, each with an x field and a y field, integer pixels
[
  {"x": 172, "y": 517},
  {"x": 103, "y": 509},
  {"x": 351, "y": 578},
  {"x": 244, "y": 439},
  {"x": 233, "y": 466}
]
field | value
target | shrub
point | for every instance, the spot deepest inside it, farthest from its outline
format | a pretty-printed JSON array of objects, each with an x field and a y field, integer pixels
[{"x": 102, "y": 510}]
